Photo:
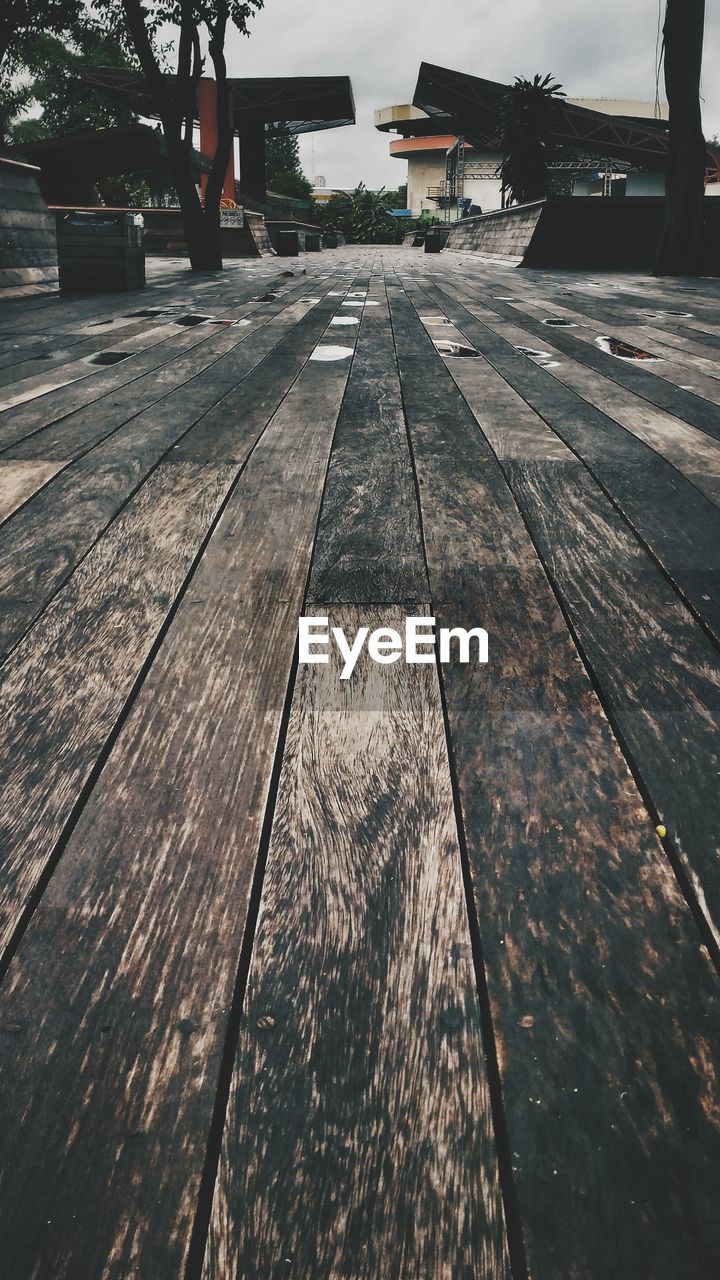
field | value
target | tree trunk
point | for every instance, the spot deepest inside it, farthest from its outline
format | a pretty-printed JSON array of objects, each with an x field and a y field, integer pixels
[
  {"x": 225, "y": 133},
  {"x": 172, "y": 108},
  {"x": 680, "y": 249}
]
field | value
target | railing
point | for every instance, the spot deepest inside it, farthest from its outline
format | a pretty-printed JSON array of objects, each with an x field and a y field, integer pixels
[{"x": 440, "y": 194}]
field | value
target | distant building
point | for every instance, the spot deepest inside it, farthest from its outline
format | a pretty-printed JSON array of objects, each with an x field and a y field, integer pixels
[
  {"x": 323, "y": 194},
  {"x": 447, "y": 180}
]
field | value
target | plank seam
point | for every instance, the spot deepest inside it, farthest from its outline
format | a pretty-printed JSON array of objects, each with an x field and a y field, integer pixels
[
  {"x": 206, "y": 1194},
  {"x": 700, "y": 917},
  {"x": 35, "y": 897},
  {"x": 143, "y": 479},
  {"x": 624, "y": 517},
  {"x": 513, "y": 1222}
]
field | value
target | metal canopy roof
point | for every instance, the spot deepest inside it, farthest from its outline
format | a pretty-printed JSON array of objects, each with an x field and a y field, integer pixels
[
  {"x": 299, "y": 104},
  {"x": 470, "y": 106},
  {"x": 103, "y": 153}
]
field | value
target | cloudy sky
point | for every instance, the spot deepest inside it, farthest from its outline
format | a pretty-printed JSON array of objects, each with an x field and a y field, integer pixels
[{"x": 595, "y": 49}]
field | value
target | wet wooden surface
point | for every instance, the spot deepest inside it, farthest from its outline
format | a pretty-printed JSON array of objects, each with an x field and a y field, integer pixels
[{"x": 383, "y": 978}]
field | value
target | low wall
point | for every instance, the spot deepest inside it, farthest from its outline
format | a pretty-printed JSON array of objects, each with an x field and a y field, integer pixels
[
  {"x": 506, "y": 234},
  {"x": 164, "y": 235},
  {"x": 581, "y": 233},
  {"x": 28, "y": 246}
]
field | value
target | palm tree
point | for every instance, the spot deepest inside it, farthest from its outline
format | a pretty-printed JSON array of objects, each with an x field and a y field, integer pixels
[
  {"x": 527, "y": 115},
  {"x": 364, "y": 217},
  {"x": 679, "y": 252}
]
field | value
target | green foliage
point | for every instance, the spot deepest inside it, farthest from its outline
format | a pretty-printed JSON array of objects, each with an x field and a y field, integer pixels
[
  {"x": 283, "y": 169},
  {"x": 127, "y": 191},
  {"x": 363, "y": 217},
  {"x": 19, "y": 23},
  {"x": 527, "y": 114},
  {"x": 396, "y": 198},
  {"x": 20, "y": 19},
  {"x": 292, "y": 184},
  {"x": 67, "y": 104}
]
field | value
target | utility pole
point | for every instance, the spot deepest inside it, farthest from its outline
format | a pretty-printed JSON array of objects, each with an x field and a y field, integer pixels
[{"x": 679, "y": 252}]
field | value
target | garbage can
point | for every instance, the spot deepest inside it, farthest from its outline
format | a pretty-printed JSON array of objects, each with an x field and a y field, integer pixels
[
  {"x": 100, "y": 252},
  {"x": 313, "y": 242},
  {"x": 435, "y": 240},
  {"x": 331, "y": 240},
  {"x": 288, "y": 245}
]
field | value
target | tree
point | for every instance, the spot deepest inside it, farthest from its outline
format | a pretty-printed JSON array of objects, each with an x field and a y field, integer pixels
[
  {"x": 363, "y": 217},
  {"x": 396, "y": 198},
  {"x": 174, "y": 94},
  {"x": 282, "y": 166},
  {"x": 527, "y": 114},
  {"x": 68, "y": 104},
  {"x": 18, "y": 23},
  {"x": 680, "y": 248}
]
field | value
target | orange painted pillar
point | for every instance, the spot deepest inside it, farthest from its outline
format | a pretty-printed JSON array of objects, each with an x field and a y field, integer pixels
[{"x": 207, "y": 94}]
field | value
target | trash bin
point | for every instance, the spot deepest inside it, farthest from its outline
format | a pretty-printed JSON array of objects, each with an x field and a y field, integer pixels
[
  {"x": 313, "y": 242},
  {"x": 100, "y": 252},
  {"x": 331, "y": 240},
  {"x": 288, "y": 245},
  {"x": 435, "y": 240}
]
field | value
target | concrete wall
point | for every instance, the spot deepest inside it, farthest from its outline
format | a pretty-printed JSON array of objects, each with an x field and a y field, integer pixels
[
  {"x": 582, "y": 234},
  {"x": 28, "y": 245},
  {"x": 427, "y": 169},
  {"x": 506, "y": 234}
]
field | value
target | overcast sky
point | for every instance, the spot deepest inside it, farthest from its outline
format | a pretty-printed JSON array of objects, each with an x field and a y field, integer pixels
[{"x": 595, "y": 48}]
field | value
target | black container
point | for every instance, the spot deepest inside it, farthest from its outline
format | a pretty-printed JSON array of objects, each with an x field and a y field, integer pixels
[
  {"x": 313, "y": 242},
  {"x": 288, "y": 244},
  {"x": 330, "y": 240},
  {"x": 435, "y": 239},
  {"x": 100, "y": 252}
]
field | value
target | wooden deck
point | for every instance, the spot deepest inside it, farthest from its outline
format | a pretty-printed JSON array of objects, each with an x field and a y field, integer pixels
[{"x": 389, "y": 978}]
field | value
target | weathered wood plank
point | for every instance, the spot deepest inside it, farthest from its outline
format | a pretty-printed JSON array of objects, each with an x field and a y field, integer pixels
[
  {"x": 369, "y": 546},
  {"x": 66, "y": 437},
  {"x": 656, "y": 670},
  {"x": 605, "y": 1006},
  {"x": 65, "y": 686},
  {"x": 20, "y": 480},
  {"x": 677, "y": 522},
  {"x": 359, "y": 1136},
  {"x": 136, "y": 338},
  {"x": 694, "y": 409},
  {"x": 45, "y": 541},
  {"x": 134, "y": 1014},
  {"x": 691, "y": 451}
]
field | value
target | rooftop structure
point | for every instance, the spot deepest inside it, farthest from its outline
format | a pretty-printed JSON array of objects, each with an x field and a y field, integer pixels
[
  {"x": 606, "y": 141},
  {"x": 261, "y": 107},
  {"x": 69, "y": 166}
]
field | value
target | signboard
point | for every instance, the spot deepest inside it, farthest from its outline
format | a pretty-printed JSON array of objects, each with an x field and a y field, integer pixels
[{"x": 232, "y": 218}]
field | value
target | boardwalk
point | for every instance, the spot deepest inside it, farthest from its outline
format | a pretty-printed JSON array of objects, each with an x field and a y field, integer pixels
[{"x": 412, "y": 976}]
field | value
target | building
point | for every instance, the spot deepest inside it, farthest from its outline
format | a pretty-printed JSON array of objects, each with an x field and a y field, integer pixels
[{"x": 449, "y": 178}]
